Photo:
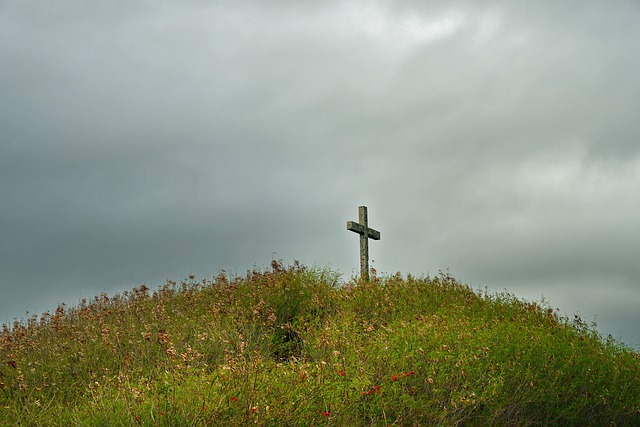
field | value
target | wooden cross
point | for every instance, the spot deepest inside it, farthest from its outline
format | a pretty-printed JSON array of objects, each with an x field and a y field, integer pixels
[{"x": 365, "y": 233}]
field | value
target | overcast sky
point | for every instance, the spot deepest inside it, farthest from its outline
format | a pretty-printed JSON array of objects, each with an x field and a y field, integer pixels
[{"x": 496, "y": 140}]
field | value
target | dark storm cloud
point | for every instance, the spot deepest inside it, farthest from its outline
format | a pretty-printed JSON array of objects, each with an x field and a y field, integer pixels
[{"x": 146, "y": 142}]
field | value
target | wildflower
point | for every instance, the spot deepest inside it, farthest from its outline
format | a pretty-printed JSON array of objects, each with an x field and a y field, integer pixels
[
  {"x": 394, "y": 378},
  {"x": 342, "y": 373},
  {"x": 235, "y": 399},
  {"x": 326, "y": 413},
  {"x": 374, "y": 390}
]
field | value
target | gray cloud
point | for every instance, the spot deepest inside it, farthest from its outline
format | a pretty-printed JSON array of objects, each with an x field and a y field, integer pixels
[{"x": 146, "y": 142}]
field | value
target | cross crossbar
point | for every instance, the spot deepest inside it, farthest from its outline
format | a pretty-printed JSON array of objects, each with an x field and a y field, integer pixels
[{"x": 366, "y": 233}]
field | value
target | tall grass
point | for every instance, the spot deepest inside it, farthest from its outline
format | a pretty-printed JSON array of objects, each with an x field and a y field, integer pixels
[{"x": 293, "y": 346}]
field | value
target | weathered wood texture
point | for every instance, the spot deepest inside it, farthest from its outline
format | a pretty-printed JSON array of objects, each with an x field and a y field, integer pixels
[{"x": 366, "y": 233}]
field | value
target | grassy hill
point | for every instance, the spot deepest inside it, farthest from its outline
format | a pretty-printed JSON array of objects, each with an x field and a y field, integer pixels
[{"x": 292, "y": 346}]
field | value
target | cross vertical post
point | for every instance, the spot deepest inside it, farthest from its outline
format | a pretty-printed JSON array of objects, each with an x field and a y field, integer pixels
[{"x": 366, "y": 233}]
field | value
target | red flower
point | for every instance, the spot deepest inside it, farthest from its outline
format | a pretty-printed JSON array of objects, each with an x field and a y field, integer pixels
[
  {"x": 326, "y": 413},
  {"x": 394, "y": 378},
  {"x": 342, "y": 373},
  {"x": 235, "y": 399},
  {"x": 374, "y": 390}
]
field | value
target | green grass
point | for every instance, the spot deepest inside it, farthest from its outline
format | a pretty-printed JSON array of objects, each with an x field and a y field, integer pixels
[{"x": 293, "y": 346}]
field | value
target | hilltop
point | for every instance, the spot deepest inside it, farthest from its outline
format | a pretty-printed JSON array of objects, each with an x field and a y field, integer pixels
[{"x": 294, "y": 346}]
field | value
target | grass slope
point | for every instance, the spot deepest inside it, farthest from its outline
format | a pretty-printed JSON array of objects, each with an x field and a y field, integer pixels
[{"x": 292, "y": 347}]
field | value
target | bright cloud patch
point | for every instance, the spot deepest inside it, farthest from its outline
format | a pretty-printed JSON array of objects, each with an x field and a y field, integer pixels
[{"x": 406, "y": 29}]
